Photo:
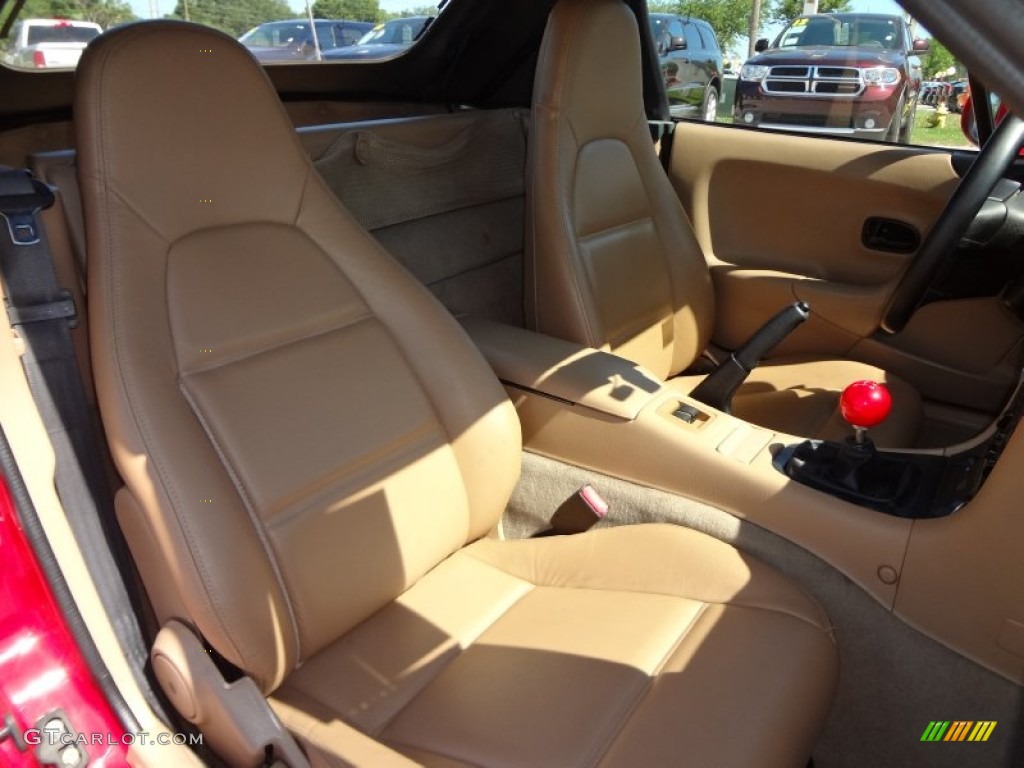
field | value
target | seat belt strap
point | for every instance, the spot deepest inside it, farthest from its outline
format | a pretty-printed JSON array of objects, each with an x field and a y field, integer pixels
[
  {"x": 662, "y": 133},
  {"x": 43, "y": 314}
]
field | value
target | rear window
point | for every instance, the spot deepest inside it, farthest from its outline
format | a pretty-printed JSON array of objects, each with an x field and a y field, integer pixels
[{"x": 64, "y": 33}]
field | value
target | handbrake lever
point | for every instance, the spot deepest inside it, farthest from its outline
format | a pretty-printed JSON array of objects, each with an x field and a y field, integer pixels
[{"x": 719, "y": 386}]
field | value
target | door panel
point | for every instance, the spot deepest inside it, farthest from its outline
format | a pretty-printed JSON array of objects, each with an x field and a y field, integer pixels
[{"x": 781, "y": 217}]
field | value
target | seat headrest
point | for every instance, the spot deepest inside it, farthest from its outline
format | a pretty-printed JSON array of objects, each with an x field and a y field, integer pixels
[
  {"x": 185, "y": 125},
  {"x": 590, "y": 68}
]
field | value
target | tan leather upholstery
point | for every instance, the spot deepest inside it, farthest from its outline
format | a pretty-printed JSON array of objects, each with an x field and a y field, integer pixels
[
  {"x": 225, "y": 345},
  {"x": 612, "y": 260},
  {"x": 801, "y": 397},
  {"x": 548, "y": 660},
  {"x": 308, "y": 442}
]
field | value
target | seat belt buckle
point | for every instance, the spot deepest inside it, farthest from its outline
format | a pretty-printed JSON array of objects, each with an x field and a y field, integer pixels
[
  {"x": 21, "y": 198},
  {"x": 579, "y": 512},
  {"x": 22, "y": 227}
]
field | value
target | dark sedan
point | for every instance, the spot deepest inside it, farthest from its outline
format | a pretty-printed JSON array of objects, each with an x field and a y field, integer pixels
[
  {"x": 384, "y": 40},
  {"x": 294, "y": 39}
]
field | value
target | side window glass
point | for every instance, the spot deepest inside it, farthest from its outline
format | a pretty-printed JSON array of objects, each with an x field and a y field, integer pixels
[
  {"x": 349, "y": 37},
  {"x": 675, "y": 29},
  {"x": 54, "y": 34},
  {"x": 866, "y": 76},
  {"x": 694, "y": 79},
  {"x": 326, "y": 35},
  {"x": 708, "y": 38},
  {"x": 851, "y": 75},
  {"x": 693, "y": 41}
]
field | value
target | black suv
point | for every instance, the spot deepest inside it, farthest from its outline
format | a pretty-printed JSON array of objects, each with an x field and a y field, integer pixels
[{"x": 691, "y": 63}]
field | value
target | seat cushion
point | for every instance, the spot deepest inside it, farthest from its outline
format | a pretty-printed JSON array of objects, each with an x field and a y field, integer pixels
[
  {"x": 525, "y": 653},
  {"x": 800, "y": 396}
]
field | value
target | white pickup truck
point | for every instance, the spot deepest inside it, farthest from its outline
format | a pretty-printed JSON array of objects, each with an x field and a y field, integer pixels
[{"x": 48, "y": 43}]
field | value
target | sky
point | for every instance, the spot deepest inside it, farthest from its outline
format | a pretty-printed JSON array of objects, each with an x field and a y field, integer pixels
[{"x": 877, "y": 6}]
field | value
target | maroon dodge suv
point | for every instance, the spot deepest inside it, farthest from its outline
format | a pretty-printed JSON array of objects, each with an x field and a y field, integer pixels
[{"x": 853, "y": 74}]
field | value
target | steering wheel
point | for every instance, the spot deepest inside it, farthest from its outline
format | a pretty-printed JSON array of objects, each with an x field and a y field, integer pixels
[{"x": 938, "y": 248}]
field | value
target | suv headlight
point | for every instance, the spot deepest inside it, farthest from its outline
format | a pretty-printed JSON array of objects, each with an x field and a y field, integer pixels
[
  {"x": 881, "y": 75},
  {"x": 754, "y": 72}
]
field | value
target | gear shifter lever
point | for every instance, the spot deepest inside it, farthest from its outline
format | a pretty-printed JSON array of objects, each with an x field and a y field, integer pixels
[
  {"x": 897, "y": 483},
  {"x": 864, "y": 404}
]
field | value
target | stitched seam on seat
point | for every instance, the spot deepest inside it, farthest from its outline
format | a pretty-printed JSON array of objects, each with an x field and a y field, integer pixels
[
  {"x": 460, "y": 760},
  {"x": 403, "y": 446},
  {"x": 599, "y": 751},
  {"x": 780, "y": 610},
  {"x": 784, "y": 612},
  {"x": 124, "y": 381},
  {"x": 469, "y": 643},
  {"x": 615, "y": 228},
  {"x": 252, "y": 352},
  {"x": 424, "y": 389},
  {"x": 577, "y": 263},
  {"x": 569, "y": 228},
  {"x": 384, "y": 725},
  {"x": 254, "y": 519},
  {"x": 414, "y": 370}
]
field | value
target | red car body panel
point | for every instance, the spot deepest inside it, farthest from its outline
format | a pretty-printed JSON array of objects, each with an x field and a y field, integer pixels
[{"x": 41, "y": 668}]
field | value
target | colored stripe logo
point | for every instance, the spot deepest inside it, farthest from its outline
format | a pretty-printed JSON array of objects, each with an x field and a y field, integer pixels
[{"x": 958, "y": 730}]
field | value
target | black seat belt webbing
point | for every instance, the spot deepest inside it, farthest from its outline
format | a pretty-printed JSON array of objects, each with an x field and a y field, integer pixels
[
  {"x": 43, "y": 315},
  {"x": 663, "y": 133}
]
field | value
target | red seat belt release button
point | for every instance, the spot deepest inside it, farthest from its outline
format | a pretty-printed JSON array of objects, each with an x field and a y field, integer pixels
[{"x": 579, "y": 512}]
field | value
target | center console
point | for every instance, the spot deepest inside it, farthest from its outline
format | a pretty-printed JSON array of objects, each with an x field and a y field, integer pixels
[
  {"x": 881, "y": 518},
  {"x": 606, "y": 414}
]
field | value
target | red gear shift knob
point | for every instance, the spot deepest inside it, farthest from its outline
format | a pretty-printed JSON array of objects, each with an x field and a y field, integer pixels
[{"x": 865, "y": 403}]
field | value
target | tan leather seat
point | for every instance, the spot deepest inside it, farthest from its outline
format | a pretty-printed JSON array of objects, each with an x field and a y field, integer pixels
[
  {"x": 611, "y": 259},
  {"x": 310, "y": 444}
]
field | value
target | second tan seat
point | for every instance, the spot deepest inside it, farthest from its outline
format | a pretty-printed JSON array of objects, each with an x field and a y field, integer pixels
[{"x": 612, "y": 261}]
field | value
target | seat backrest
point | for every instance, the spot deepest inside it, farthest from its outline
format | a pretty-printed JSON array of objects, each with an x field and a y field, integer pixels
[
  {"x": 612, "y": 261},
  {"x": 302, "y": 430}
]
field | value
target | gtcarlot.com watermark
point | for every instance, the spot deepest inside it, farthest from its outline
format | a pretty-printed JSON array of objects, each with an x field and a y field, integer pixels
[{"x": 52, "y": 737}]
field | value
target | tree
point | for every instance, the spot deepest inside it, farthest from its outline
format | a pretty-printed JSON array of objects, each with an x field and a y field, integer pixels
[
  {"x": 754, "y": 28},
  {"x": 416, "y": 10},
  {"x": 355, "y": 10},
  {"x": 235, "y": 17},
  {"x": 938, "y": 60},
  {"x": 783, "y": 10},
  {"x": 729, "y": 18},
  {"x": 106, "y": 13}
]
